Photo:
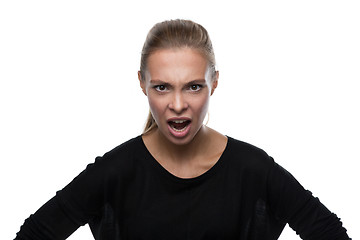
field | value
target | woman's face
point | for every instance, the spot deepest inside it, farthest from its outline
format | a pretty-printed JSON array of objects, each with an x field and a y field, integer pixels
[{"x": 178, "y": 85}]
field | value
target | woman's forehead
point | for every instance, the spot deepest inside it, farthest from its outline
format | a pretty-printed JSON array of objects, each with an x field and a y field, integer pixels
[
  {"x": 178, "y": 66},
  {"x": 175, "y": 59}
]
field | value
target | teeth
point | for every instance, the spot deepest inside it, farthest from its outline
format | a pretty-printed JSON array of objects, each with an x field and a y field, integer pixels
[
  {"x": 179, "y": 121},
  {"x": 175, "y": 125}
]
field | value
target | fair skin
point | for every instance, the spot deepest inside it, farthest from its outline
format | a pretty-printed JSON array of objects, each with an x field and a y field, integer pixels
[{"x": 178, "y": 85}]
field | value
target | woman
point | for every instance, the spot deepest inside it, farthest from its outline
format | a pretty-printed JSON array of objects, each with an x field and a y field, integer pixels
[{"x": 181, "y": 179}]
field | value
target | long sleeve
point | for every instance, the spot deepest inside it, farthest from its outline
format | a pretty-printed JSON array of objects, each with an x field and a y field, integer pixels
[
  {"x": 70, "y": 208},
  {"x": 86, "y": 199},
  {"x": 49, "y": 222},
  {"x": 291, "y": 203}
]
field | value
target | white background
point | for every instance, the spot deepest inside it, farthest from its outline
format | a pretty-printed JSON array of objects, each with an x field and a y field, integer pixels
[{"x": 289, "y": 73}]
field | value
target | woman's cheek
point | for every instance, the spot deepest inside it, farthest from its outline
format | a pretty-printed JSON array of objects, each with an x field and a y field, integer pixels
[{"x": 156, "y": 106}]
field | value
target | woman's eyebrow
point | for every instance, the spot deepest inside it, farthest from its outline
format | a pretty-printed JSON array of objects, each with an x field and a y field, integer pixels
[
  {"x": 197, "y": 81},
  {"x": 157, "y": 81}
]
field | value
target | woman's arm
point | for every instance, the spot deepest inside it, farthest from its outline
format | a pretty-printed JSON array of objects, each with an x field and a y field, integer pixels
[
  {"x": 291, "y": 203},
  {"x": 72, "y": 207},
  {"x": 49, "y": 222}
]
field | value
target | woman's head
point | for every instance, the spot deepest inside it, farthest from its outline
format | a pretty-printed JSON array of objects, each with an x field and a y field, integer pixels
[{"x": 176, "y": 35}]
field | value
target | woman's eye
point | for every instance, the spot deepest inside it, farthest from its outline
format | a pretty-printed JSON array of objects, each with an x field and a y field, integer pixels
[
  {"x": 195, "y": 87},
  {"x": 160, "y": 88}
]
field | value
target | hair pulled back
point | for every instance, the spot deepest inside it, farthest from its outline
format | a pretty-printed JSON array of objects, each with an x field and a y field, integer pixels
[{"x": 176, "y": 34}]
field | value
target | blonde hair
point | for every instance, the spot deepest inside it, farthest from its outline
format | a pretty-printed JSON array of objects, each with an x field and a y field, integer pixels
[{"x": 175, "y": 34}]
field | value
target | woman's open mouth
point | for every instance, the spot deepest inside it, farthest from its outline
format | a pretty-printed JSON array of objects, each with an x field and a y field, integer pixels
[{"x": 179, "y": 127}]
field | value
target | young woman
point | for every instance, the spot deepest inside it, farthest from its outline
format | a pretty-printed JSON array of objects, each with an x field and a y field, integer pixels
[{"x": 181, "y": 179}]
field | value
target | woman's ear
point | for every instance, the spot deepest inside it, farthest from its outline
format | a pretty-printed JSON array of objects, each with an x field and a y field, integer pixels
[
  {"x": 214, "y": 82},
  {"x": 142, "y": 83}
]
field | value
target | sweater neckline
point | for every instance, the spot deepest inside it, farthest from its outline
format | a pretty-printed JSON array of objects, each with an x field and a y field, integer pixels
[{"x": 163, "y": 171}]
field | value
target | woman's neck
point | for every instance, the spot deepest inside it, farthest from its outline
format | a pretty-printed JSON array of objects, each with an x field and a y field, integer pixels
[
  {"x": 182, "y": 153},
  {"x": 188, "y": 160}
]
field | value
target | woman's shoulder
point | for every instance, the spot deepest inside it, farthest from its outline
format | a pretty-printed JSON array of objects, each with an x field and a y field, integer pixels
[
  {"x": 126, "y": 148},
  {"x": 120, "y": 157},
  {"x": 248, "y": 155},
  {"x": 245, "y": 148}
]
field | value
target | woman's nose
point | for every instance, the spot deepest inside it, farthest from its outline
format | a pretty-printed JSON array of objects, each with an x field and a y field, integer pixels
[{"x": 178, "y": 103}]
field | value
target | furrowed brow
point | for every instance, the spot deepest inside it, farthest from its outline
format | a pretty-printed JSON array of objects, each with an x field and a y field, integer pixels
[
  {"x": 157, "y": 82},
  {"x": 198, "y": 81}
]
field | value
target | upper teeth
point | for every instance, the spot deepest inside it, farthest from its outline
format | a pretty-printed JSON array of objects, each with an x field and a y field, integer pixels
[{"x": 179, "y": 121}]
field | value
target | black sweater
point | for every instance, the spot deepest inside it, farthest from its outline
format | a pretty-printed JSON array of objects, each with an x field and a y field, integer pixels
[{"x": 127, "y": 194}]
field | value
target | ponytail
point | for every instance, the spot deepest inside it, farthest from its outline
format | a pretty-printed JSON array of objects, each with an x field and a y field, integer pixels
[{"x": 150, "y": 124}]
